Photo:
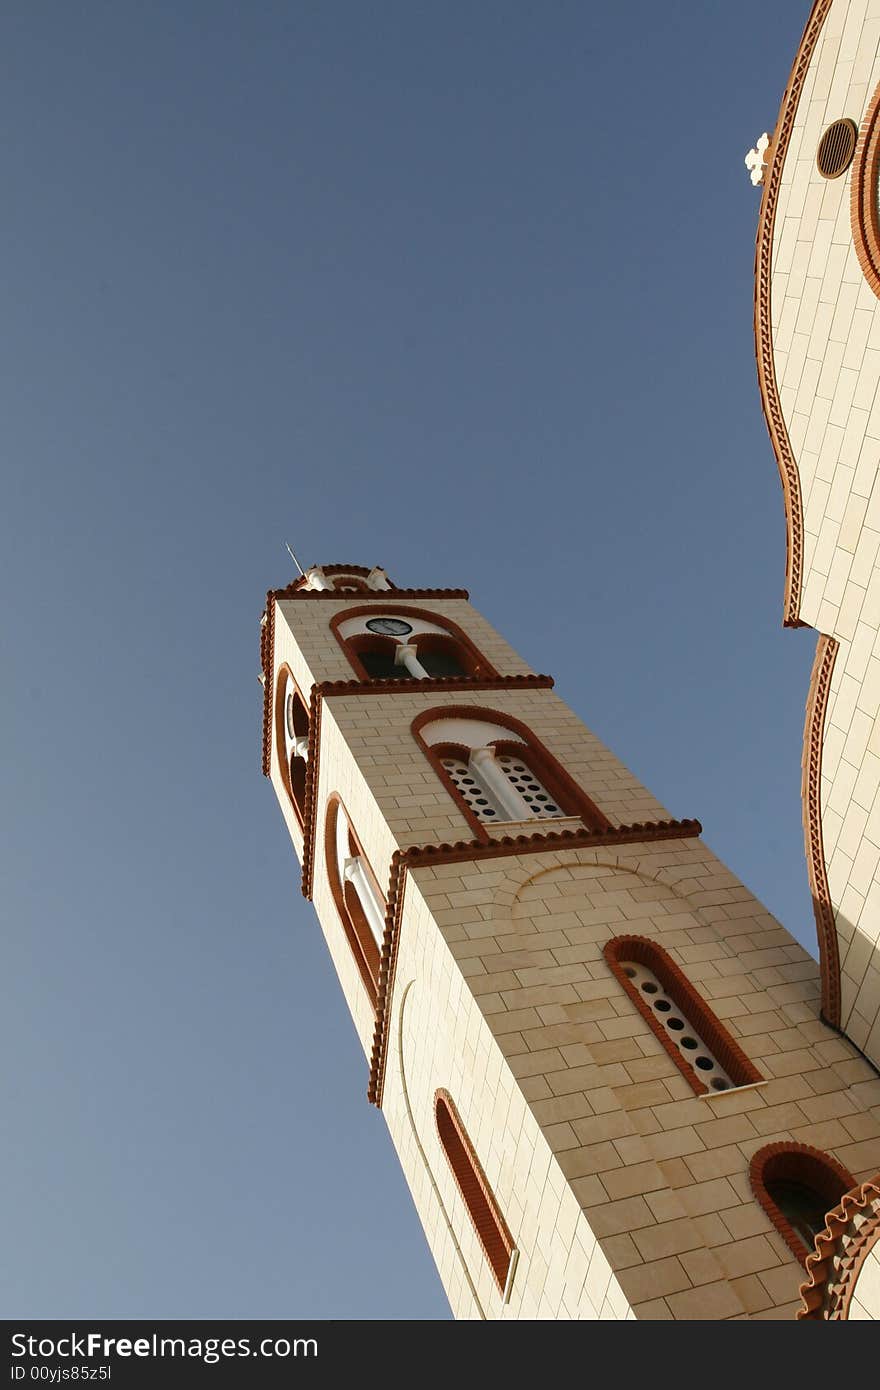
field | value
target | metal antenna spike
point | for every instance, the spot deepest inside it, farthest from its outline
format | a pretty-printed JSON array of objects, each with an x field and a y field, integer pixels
[{"x": 294, "y": 559}]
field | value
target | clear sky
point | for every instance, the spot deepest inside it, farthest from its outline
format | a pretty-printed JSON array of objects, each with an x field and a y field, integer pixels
[{"x": 463, "y": 289}]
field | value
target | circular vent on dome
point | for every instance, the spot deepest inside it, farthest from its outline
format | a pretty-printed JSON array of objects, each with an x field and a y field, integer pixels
[{"x": 836, "y": 149}]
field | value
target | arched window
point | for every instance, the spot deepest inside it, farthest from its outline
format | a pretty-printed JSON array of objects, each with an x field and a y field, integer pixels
[
  {"x": 490, "y": 1226},
  {"x": 497, "y": 770},
  {"x": 292, "y": 739},
  {"x": 359, "y": 900},
  {"x": 407, "y": 644},
  {"x": 797, "y": 1186},
  {"x": 695, "y": 1039}
]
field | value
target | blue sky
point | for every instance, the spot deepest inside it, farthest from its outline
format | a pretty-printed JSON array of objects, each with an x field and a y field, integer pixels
[{"x": 463, "y": 290}]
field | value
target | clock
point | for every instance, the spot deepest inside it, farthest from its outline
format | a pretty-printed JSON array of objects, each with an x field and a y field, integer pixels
[{"x": 390, "y": 627}]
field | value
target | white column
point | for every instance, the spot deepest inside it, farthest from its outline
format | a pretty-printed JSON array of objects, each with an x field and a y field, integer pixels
[
  {"x": 301, "y": 748},
  {"x": 317, "y": 579},
  {"x": 490, "y": 774},
  {"x": 356, "y": 875},
  {"x": 406, "y": 656},
  {"x": 377, "y": 579}
]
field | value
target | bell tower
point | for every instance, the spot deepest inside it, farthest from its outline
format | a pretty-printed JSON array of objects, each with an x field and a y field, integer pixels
[{"x": 599, "y": 1057}]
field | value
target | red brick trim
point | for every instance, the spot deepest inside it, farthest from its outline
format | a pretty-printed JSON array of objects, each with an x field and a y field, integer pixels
[
  {"x": 704, "y": 1022},
  {"x": 799, "y": 1163},
  {"x": 285, "y": 673},
  {"x": 811, "y": 799},
  {"x": 267, "y": 659},
  {"x": 864, "y": 220},
  {"x": 569, "y": 796},
  {"x": 375, "y": 595},
  {"x": 415, "y": 685},
  {"x": 464, "y": 851},
  {"x": 770, "y": 402},
  {"x": 461, "y": 850},
  {"x": 492, "y": 1230},
  {"x": 474, "y": 662},
  {"x": 840, "y": 1251},
  {"x": 354, "y": 923}
]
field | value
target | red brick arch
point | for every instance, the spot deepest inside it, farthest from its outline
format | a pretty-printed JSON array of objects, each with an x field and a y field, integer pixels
[
  {"x": 571, "y": 798},
  {"x": 803, "y": 1164}
]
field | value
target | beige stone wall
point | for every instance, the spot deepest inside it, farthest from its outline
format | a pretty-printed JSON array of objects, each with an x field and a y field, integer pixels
[
  {"x": 660, "y": 1174},
  {"x": 826, "y": 340},
  {"x": 440, "y": 1037}
]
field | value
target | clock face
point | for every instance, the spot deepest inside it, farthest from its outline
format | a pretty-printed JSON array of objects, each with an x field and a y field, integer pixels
[{"x": 390, "y": 627}]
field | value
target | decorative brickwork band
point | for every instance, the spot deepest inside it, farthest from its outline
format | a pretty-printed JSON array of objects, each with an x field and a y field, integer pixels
[
  {"x": 811, "y": 797},
  {"x": 804, "y": 1166},
  {"x": 693, "y": 1008},
  {"x": 374, "y": 595},
  {"x": 439, "y": 683},
  {"x": 490, "y": 1226},
  {"x": 462, "y": 851},
  {"x": 543, "y": 840},
  {"x": 863, "y": 198},
  {"x": 770, "y": 402},
  {"x": 833, "y": 1268}
]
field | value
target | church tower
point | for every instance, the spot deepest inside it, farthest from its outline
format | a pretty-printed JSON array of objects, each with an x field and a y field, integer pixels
[{"x": 600, "y": 1059}]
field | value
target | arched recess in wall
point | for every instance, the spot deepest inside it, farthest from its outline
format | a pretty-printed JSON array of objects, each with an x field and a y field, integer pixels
[
  {"x": 292, "y": 739},
  {"x": 408, "y": 1100},
  {"x": 497, "y": 770},
  {"x": 492, "y": 1230},
  {"x": 798, "y": 1186},
  {"x": 691, "y": 1034},
  {"x": 356, "y": 893},
  {"x": 397, "y": 643}
]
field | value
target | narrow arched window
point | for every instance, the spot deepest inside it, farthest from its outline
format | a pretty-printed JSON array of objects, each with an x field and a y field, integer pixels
[
  {"x": 292, "y": 739},
  {"x": 697, "y": 1041},
  {"x": 407, "y": 644},
  {"x": 485, "y": 1214},
  {"x": 797, "y": 1186},
  {"x": 497, "y": 770},
  {"x": 356, "y": 893}
]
